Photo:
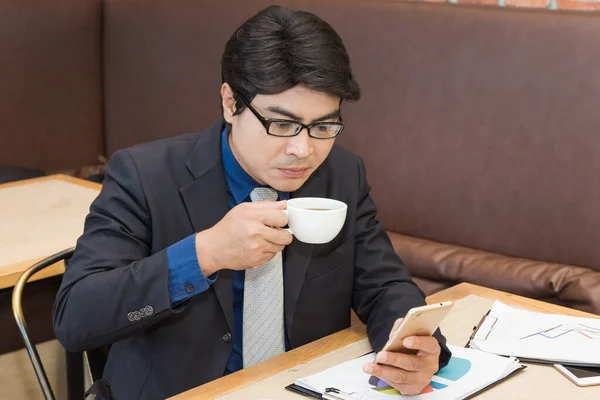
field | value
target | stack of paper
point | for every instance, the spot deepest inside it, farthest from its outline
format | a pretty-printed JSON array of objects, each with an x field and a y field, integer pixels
[
  {"x": 541, "y": 337},
  {"x": 468, "y": 372}
]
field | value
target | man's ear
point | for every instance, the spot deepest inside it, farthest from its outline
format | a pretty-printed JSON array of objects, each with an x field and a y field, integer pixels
[{"x": 227, "y": 102}]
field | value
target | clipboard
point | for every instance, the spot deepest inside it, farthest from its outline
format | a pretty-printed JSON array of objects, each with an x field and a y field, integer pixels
[
  {"x": 335, "y": 394},
  {"x": 482, "y": 330},
  {"x": 500, "y": 334},
  {"x": 318, "y": 388}
]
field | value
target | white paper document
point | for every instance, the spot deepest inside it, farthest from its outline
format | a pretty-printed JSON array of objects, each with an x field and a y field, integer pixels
[
  {"x": 468, "y": 372},
  {"x": 537, "y": 336}
]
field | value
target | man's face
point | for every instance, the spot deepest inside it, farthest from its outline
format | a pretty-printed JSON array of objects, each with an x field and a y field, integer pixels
[{"x": 283, "y": 163}]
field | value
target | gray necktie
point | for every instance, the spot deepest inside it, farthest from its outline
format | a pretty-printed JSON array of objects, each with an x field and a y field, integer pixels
[{"x": 263, "y": 330}]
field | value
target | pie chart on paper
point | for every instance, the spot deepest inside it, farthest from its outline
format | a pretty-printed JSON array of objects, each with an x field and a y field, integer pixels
[{"x": 456, "y": 369}]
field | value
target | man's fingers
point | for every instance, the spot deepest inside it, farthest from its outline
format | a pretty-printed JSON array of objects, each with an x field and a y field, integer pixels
[
  {"x": 272, "y": 217},
  {"x": 396, "y": 376},
  {"x": 398, "y": 321},
  {"x": 405, "y": 361},
  {"x": 426, "y": 344},
  {"x": 266, "y": 204},
  {"x": 391, "y": 375},
  {"x": 277, "y": 236},
  {"x": 408, "y": 390},
  {"x": 267, "y": 255},
  {"x": 272, "y": 249},
  {"x": 422, "y": 353}
]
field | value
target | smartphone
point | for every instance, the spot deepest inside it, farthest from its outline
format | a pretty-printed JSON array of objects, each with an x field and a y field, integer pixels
[
  {"x": 581, "y": 376},
  {"x": 419, "y": 321}
]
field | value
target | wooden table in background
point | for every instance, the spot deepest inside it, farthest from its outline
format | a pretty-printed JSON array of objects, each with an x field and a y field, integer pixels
[
  {"x": 39, "y": 217},
  {"x": 52, "y": 208},
  {"x": 268, "y": 379}
]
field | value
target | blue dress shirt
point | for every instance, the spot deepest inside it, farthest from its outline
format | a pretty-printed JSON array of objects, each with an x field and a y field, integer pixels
[{"x": 185, "y": 276}]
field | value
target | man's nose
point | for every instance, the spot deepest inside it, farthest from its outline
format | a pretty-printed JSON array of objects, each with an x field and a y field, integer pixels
[{"x": 299, "y": 145}]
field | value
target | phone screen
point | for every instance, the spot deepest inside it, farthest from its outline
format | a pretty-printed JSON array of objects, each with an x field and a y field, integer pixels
[{"x": 583, "y": 372}]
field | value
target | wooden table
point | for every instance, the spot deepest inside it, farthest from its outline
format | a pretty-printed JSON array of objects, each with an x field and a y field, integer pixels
[
  {"x": 38, "y": 218},
  {"x": 267, "y": 380}
]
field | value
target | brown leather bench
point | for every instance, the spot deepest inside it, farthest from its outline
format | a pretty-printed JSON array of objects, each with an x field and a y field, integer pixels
[{"x": 478, "y": 126}]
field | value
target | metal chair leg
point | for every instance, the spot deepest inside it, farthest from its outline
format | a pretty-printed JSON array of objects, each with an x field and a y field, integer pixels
[{"x": 20, "y": 319}]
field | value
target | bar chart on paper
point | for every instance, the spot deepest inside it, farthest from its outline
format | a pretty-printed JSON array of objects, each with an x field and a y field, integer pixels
[{"x": 536, "y": 336}]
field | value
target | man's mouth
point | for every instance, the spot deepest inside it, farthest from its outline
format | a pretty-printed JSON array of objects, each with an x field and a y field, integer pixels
[{"x": 294, "y": 172}]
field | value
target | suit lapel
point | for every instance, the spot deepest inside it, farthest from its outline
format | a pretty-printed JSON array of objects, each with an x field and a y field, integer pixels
[
  {"x": 298, "y": 254},
  {"x": 205, "y": 200}
]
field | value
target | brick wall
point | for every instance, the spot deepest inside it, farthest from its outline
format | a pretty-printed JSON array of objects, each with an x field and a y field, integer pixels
[{"x": 550, "y": 4}]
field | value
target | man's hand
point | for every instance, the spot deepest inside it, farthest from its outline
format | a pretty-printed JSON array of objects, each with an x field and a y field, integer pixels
[
  {"x": 409, "y": 374},
  {"x": 246, "y": 237}
]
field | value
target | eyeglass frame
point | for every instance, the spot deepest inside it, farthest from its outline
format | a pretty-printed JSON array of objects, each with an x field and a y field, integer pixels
[{"x": 267, "y": 122}]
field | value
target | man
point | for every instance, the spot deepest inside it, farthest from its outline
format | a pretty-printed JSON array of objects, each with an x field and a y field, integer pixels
[{"x": 183, "y": 267}]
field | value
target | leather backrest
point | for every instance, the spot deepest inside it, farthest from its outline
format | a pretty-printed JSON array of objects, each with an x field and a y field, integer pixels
[
  {"x": 478, "y": 126},
  {"x": 50, "y": 85}
]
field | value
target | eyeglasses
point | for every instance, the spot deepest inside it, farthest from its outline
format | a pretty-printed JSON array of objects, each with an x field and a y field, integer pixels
[{"x": 288, "y": 128}]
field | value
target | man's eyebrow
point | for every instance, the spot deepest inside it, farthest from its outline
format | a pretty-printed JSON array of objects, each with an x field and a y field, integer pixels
[
  {"x": 332, "y": 115},
  {"x": 289, "y": 114}
]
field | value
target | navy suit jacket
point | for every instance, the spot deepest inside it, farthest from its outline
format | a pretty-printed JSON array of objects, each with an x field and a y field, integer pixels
[{"x": 115, "y": 288}]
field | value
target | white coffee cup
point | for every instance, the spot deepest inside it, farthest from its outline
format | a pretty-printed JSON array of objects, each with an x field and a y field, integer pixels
[{"x": 315, "y": 220}]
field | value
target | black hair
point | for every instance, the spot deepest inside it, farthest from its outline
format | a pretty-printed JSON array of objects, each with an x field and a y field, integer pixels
[{"x": 280, "y": 48}]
